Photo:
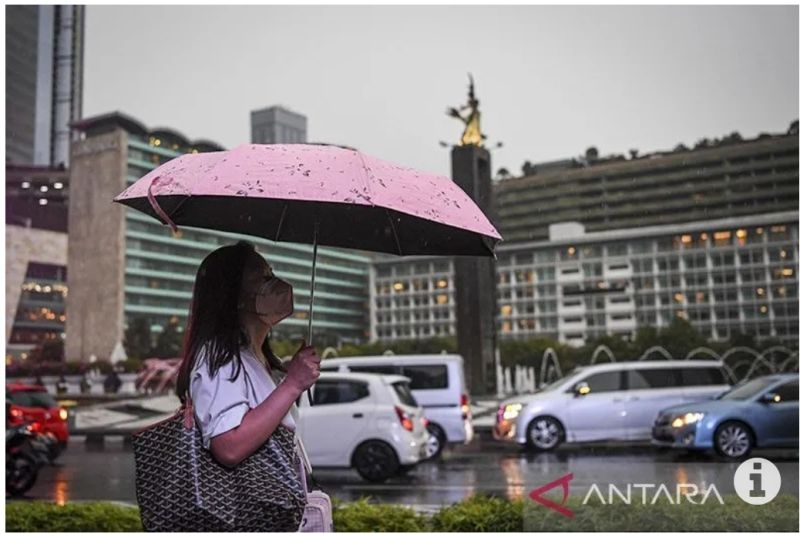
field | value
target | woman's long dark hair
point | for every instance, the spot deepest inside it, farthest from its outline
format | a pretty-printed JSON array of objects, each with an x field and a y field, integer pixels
[{"x": 214, "y": 315}]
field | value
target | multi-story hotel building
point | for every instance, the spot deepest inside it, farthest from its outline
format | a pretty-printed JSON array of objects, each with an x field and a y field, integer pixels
[
  {"x": 733, "y": 273},
  {"x": 731, "y": 178},
  {"x": 124, "y": 264}
]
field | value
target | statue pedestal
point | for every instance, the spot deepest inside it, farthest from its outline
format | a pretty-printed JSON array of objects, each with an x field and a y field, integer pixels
[{"x": 475, "y": 282}]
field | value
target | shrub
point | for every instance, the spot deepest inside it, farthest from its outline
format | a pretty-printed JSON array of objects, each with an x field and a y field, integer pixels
[
  {"x": 363, "y": 515},
  {"x": 16, "y": 370},
  {"x": 131, "y": 364},
  {"x": 47, "y": 516},
  {"x": 104, "y": 367},
  {"x": 75, "y": 367},
  {"x": 480, "y": 513}
]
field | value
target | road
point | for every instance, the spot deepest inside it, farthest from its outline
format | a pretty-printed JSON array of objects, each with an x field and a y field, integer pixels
[{"x": 482, "y": 467}]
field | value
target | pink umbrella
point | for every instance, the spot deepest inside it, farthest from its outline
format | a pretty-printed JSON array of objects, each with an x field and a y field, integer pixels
[{"x": 316, "y": 194}]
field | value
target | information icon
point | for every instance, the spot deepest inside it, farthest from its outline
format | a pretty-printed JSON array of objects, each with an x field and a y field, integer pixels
[{"x": 757, "y": 481}]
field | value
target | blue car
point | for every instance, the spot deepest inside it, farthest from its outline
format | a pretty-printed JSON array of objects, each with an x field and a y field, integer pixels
[{"x": 761, "y": 412}]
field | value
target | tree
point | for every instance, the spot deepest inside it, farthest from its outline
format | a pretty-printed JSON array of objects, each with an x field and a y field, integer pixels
[
  {"x": 592, "y": 153},
  {"x": 645, "y": 337},
  {"x": 679, "y": 338},
  {"x": 138, "y": 340},
  {"x": 528, "y": 169},
  {"x": 49, "y": 351},
  {"x": 702, "y": 143},
  {"x": 169, "y": 341}
]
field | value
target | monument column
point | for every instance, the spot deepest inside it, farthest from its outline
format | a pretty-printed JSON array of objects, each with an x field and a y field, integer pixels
[{"x": 475, "y": 281}]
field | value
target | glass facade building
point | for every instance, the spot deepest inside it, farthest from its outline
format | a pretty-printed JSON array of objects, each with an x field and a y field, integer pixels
[
  {"x": 44, "y": 81},
  {"x": 40, "y": 313}
]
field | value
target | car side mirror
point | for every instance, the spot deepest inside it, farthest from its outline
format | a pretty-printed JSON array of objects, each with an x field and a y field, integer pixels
[
  {"x": 770, "y": 397},
  {"x": 581, "y": 389}
]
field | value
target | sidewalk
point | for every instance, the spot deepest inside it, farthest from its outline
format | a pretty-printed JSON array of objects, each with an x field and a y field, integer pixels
[{"x": 123, "y": 417}]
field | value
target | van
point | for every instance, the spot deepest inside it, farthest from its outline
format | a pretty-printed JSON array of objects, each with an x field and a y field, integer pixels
[
  {"x": 437, "y": 384},
  {"x": 610, "y": 401}
]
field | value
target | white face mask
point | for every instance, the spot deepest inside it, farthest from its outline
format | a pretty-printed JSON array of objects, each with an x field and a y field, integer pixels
[{"x": 273, "y": 302}]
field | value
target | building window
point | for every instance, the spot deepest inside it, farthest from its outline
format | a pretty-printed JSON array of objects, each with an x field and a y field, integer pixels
[
  {"x": 722, "y": 238},
  {"x": 617, "y": 249}
]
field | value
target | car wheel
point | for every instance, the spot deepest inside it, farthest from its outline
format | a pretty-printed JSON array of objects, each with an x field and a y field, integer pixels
[
  {"x": 733, "y": 440},
  {"x": 545, "y": 433},
  {"x": 375, "y": 461},
  {"x": 437, "y": 441}
]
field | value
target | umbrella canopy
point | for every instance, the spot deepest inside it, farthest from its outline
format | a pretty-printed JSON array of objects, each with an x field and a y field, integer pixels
[{"x": 315, "y": 194}]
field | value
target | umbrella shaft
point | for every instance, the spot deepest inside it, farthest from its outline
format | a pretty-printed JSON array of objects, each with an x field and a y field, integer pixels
[
  {"x": 313, "y": 280},
  {"x": 310, "y": 338}
]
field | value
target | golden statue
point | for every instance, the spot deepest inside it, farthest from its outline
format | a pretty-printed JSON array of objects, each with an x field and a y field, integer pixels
[{"x": 472, "y": 121}]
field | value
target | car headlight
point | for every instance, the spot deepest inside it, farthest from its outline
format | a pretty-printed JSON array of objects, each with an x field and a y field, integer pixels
[
  {"x": 511, "y": 411},
  {"x": 687, "y": 419}
]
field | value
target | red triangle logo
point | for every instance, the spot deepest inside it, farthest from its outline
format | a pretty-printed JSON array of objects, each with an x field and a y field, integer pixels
[{"x": 563, "y": 482}]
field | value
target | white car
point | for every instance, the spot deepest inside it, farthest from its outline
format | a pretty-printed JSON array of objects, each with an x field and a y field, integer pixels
[
  {"x": 611, "y": 401},
  {"x": 365, "y": 421},
  {"x": 437, "y": 383}
]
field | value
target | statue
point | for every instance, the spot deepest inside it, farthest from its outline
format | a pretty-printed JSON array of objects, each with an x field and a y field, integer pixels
[{"x": 472, "y": 121}]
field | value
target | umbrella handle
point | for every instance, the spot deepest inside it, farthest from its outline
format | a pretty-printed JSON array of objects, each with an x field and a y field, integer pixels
[
  {"x": 157, "y": 208},
  {"x": 309, "y": 337}
]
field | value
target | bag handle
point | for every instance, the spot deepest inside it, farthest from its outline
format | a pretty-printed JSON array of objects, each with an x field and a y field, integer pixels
[{"x": 188, "y": 413}]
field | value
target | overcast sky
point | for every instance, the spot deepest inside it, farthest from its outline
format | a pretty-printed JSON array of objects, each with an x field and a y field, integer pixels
[{"x": 551, "y": 80}]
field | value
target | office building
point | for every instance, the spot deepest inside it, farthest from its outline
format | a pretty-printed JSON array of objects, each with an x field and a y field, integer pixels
[
  {"x": 124, "y": 264},
  {"x": 36, "y": 258},
  {"x": 730, "y": 274},
  {"x": 277, "y": 125},
  {"x": 44, "y": 82}
]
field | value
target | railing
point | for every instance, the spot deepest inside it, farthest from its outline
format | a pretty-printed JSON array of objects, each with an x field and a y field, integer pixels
[{"x": 740, "y": 363}]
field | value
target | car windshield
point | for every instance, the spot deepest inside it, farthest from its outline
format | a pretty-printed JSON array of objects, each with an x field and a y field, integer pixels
[
  {"x": 557, "y": 383},
  {"x": 32, "y": 399},
  {"x": 748, "y": 389}
]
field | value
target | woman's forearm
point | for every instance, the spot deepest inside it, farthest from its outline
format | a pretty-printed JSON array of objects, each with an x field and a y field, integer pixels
[{"x": 258, "y": 424}]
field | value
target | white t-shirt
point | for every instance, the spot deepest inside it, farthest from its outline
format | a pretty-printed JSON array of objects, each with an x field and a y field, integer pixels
[{"x": 220, "y": 404}]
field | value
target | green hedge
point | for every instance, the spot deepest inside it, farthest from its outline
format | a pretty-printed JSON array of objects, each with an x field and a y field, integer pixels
[
  {"x": 480, "y": 513},
  {"x": 364, "y": 515},
  {"x": 46, "y": 516}
]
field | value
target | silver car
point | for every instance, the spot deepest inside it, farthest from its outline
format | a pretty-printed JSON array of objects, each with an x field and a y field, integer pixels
[{"x": 611, "y": 401}]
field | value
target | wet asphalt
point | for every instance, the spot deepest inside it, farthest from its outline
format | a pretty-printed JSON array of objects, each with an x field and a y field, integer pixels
[{"x": 88, "y": 472}]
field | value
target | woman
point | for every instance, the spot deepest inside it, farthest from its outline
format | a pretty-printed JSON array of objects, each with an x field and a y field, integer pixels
[{"x": 226, "y": 372}]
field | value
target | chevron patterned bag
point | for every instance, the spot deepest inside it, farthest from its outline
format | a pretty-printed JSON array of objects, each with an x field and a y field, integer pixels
[{"x": 181, "y": 487}]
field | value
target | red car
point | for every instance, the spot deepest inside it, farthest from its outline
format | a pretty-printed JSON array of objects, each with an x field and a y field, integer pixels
[{"x": 32, "y": 404}]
